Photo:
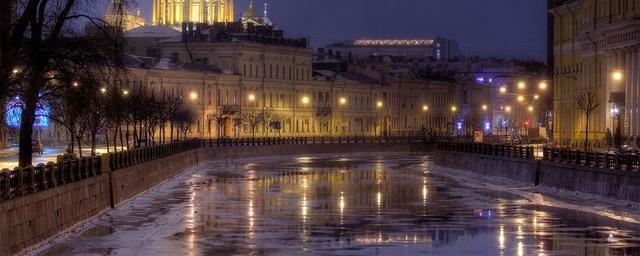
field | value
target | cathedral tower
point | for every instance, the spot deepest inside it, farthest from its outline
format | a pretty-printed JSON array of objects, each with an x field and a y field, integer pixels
[{"x": 174, "y": 12}]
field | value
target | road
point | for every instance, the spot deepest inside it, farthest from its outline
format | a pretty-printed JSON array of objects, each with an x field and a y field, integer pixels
[{"x": 9, "y": 157}]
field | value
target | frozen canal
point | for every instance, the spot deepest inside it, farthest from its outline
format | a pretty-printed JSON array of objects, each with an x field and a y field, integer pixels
[{"x": 356, "y": 204}]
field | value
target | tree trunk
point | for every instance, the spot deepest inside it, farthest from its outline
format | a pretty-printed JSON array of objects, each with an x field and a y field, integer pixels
[
  {"x": 79, "y": 139},
  {"x": 93, "y": 143},
  {"x": 106, "y": 138},
  {"x": 26, "y": 131},
  {"x": 586, "y": 135}
]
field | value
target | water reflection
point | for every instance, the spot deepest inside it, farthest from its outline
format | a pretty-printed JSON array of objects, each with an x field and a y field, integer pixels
[{"x": 365, "y": 205}]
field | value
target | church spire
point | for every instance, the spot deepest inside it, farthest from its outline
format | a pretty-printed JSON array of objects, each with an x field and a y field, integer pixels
[{"x": 266, "y": 5}]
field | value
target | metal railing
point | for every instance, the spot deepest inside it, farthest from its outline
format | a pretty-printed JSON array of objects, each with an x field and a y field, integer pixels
[
  {"x": 309, "y": 140},
  {"x": 592, "y": 159},
  {"x": 124, "y": 159},
  {"x": 23, "y": 181},
  {"x": 524, "y": 152}
]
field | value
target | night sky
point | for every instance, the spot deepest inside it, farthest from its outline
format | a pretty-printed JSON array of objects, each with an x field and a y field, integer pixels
[{"x": 502, "y": 28}]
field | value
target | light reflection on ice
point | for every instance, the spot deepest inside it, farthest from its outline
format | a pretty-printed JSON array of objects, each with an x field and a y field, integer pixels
[{"x": 358, "y": 204}]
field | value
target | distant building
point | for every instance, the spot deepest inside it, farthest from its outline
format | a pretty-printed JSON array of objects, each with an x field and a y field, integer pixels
[
  {"x": 595, "y": 47},
  {"x": 175, "y": 12},
  {"x": 128, "y": 20},
  {"x": 438, "y": 48}
]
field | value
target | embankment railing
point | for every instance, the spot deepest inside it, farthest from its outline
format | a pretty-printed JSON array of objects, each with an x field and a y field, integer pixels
[{"x": 524, "y": 152}]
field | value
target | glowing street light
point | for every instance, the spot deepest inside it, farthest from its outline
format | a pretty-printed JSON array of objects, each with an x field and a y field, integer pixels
[
  {"x": 193, "y": 96},
  {"x": 125, "y": 92},
  {"x": 343, "y": 100},
  {"x": 535, "y": 97},
  {"x": 15, "y": 71},
  {"x": 617, "y": 75},
  {"x": 251, "y": 97},
  {"x": 425, "y": 108},
  {"x": 508, "y": 109},
  {"x": 305, "y": 100},
  {"x": 520, "y": 98},
  {"x": 542, "y": 85},
  {"x": 522, "y": 85},
  {"x": 103, "y": 90},
  {"x": 454, "y": 109},
  {"x": 530, "y": 109},
  {"x": 76, "y": 84},
  {"x": 379, "y": 104},
  {"x": 484, "y": 107},
  {"x": 503, "y": 89}
]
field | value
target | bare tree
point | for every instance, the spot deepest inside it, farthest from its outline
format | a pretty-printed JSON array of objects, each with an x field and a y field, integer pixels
[
  {"x": 589, "y": 105},
  {"x": 45, "y": 44},
  {"x": 253, "y": 117}
]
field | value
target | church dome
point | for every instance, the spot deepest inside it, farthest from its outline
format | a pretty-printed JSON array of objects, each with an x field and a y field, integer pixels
[{"x": 250, "y": 13}]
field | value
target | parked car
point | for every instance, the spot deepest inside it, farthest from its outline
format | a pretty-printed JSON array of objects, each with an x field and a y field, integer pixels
[
  {"x": 37, "y": 147},
  {"x": 627, "y": 149}
]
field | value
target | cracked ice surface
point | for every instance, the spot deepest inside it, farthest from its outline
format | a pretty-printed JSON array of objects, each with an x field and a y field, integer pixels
[{"x": 352, "y": 204}]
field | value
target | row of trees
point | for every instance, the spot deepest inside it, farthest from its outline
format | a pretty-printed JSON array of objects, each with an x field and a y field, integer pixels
[{"x": 61, "y": 55}]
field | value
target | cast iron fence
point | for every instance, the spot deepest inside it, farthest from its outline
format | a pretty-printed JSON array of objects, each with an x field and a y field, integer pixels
[
  {"x": 592, "y": 159},
  {"x": 525, "y": 152}
]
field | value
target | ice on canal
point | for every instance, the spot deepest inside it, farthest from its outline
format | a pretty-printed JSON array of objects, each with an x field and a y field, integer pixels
[{"x": 352, "y": 204}]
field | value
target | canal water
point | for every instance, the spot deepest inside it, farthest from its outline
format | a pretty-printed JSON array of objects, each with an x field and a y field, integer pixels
[{"x": 353, "y": 204}]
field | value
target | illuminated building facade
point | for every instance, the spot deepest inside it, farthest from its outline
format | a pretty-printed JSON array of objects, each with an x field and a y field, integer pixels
[
  {"x": 438, "y": 48},
  {"x": 175, "y": 12},
  {"x": 595, "y": 47}
]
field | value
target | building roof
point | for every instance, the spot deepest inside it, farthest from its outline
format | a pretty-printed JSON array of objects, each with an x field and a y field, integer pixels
[
  {"x": 156, "y": 31},
  {"x": 389, "y": 42}
]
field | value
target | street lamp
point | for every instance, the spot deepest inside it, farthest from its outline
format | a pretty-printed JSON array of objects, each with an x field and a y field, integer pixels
[
  {"x": 425, "y": 108},
  {"x": 503, "y": 89},
  {"x": 530, "y": 108},
  {"x": 251, "y": 97},
  {"x": 76, "y": 84},
  {"x": 379, "y": 104},
  {"x": 305, "y": 100},
  {"x": 484, "y": 107},
  {"x": 508, "y": 109},
  {"x": 454, "y": 109},
  {"x": 617, "y": 75},
  {"x": 542, "y": 85},
  {"x": 15, "y": 71},
  {"x": 193, "y": 96},
  {"x": 522, "y": 85},
  {"x": 343, "y": 100},
  {"x": 520, "y": 98},
  {"x": 103, "y": 90},
  {"x": 535, "y": 97},
  {"x": 125, "y": 92}
]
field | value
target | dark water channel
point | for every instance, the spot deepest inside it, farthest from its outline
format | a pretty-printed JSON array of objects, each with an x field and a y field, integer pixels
[{"x": 360, "y": 204}]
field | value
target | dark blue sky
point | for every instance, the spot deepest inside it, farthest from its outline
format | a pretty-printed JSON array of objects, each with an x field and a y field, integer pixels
[{"x": 503, "y": 28}]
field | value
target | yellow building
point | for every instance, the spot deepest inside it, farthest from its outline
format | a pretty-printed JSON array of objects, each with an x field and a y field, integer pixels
[
  {"x": 175, "y": 12},
  {"x": 128, "y": 20},
  {"x": 595, "y": 47}
]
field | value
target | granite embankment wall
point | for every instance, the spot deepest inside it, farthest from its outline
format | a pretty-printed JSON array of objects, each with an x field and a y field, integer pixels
[
  {"x": 28, "y": 220},
  {"x": 523, "y": 170},
  {"x": 618, "y": 184}
]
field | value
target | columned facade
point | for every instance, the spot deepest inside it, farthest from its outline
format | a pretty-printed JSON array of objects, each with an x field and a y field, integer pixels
[
  {"x": 175, "y": 12},
  {"x": 596, "y": 50}
]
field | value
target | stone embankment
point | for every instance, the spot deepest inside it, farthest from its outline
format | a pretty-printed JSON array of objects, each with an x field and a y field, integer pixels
[{"x": 607, "y": 175}]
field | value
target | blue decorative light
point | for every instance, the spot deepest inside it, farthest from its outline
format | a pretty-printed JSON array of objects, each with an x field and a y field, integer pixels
[
  {"x": 487, "y": 126},
  {"x": 459, "y": 125},
  {"x": 14, "y": 116}
]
